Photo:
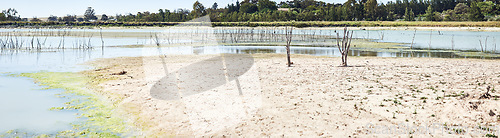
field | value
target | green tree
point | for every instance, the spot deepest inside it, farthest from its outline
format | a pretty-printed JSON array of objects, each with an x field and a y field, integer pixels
[
  {"x": 382, "y": 12},
  {"x": 89, "y": 14},
  {"x": 52, "y": 18},
  {"x": 487, "y": 7},
  {"x": 215, "y": 6},
  {"x": 35, "y": 19},
  {"x": 348, "y": 10},
  {"x": 161, "y": 15},
  {"x": 409, "y": 15},
  {"x": 69, "y": 18},
  {"x": 104, "y": 17},
  {"x": 248, "y": 8},
  {"x": 370, "y": 9},
  {"x": 11, "y": 14},
  {"x": 284, "y": 5},
  {"x": 198, "y": 9},
  {"x": 262, "y": 5},
  {"x": 461, "y": 8},
  {"x": 237, "y": 5},
  {"x": 475, "y": 13},
  {"x": 429, "y": 14},
  {"x": 3, "y": 17},
  {"x": 460, "y": 12}
]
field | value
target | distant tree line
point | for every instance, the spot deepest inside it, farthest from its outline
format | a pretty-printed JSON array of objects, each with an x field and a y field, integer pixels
[
  {"x": 312, "y": 10},
  {"x": 306, "y": 10}
]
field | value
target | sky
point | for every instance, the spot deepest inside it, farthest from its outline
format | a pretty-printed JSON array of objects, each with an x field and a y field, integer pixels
[{"x": 45, "y": 8}]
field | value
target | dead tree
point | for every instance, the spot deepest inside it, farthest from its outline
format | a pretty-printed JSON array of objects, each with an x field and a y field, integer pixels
[
  {"x": 155, "y": 38},
  {"x": 345, "y": 45},
  {"x": 288, "y": 35}
]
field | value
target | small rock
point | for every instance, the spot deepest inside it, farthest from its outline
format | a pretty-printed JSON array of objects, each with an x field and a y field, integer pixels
[{"x": 491, "y": 113}]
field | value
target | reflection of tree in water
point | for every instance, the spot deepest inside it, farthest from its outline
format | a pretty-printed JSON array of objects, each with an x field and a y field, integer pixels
[{"x": 254, "y": 51}]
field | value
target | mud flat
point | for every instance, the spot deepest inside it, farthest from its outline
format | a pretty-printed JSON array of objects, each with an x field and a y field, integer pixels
[{"x": 374, "y": 97}]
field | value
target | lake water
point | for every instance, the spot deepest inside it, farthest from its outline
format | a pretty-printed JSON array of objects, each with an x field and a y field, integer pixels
[{"x": 25, "y": 106}]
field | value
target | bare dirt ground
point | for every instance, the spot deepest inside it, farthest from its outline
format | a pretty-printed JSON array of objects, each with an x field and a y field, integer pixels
[{"x": 376, "y": 97}]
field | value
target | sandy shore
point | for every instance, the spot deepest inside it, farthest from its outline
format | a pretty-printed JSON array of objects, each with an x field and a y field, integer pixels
[{"x": 375, "y": 97}]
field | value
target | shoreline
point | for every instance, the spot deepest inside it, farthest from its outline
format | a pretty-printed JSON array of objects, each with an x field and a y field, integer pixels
[{"x": 315, "y": 93}]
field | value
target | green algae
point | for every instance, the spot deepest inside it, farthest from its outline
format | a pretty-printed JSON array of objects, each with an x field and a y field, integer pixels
[
  {"x": 100, "y": 119},
  {"x": 478, "y": 54}
]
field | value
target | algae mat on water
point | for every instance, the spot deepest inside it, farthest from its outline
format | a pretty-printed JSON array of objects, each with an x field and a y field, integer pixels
[{"x": 99, "y": 114}]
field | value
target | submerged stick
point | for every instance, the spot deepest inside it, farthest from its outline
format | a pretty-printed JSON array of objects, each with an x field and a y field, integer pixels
[
  {"x": 452, "y": 43},
  {"x": 495, "y": 50},
  {"x": 412, "y": 40},
  {"x": 481, "y": 45},
  {"x": 430, "y": 39},
  {"x": 486, "y": 44},
  {"x": 102, "y": 40}
]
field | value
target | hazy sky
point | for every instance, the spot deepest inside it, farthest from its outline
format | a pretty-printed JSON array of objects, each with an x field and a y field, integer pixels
[{"x": 44, "y": 8}]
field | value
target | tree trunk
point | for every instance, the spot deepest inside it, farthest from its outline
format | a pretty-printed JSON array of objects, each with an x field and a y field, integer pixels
[
  {"x": 288, "y": 36},
  {"x": 288, "y": 56}
]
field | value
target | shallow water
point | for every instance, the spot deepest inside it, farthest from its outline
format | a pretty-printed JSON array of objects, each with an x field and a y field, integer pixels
[
  {"x": 425, "y": 39},
  {"x": 458, "y": 40},
  {"x": 25, "y": 106}
]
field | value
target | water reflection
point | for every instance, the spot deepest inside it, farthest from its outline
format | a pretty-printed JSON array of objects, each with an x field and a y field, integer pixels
[{"x": 71, "y": 59}]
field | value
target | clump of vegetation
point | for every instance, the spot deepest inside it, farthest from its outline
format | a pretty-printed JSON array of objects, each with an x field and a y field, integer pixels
[{"x": 491, "y": 135}]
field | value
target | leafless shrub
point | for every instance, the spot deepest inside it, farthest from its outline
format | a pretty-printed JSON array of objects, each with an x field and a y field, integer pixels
[{"x": 345, "y": 45}]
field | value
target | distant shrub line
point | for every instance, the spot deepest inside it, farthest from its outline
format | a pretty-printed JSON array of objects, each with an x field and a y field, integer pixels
[{"x": 256, "y": 24}]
